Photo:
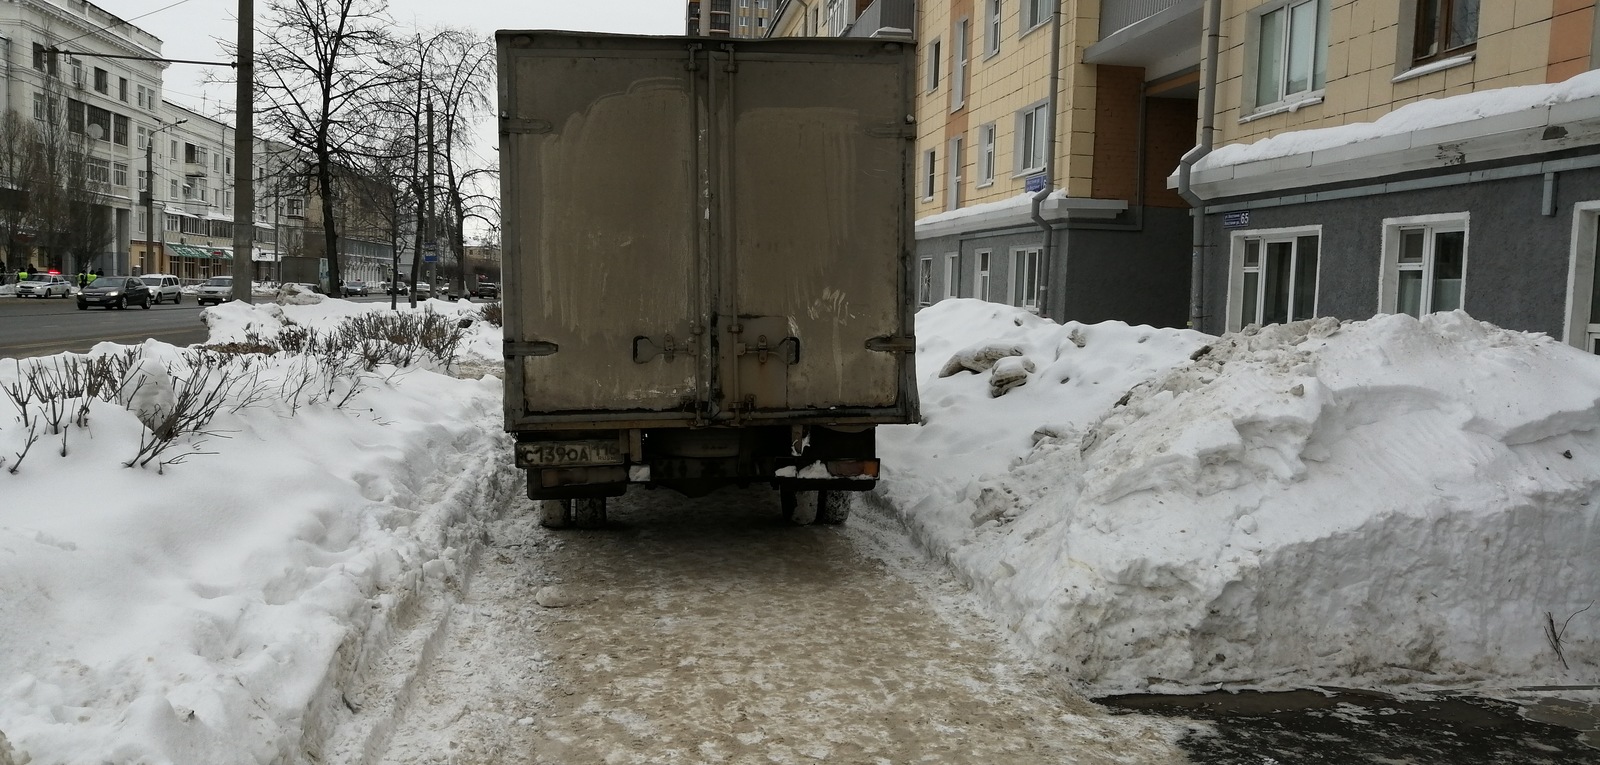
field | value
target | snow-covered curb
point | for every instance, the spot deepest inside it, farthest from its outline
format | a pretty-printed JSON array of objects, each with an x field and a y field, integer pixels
[{"x": 1389, "y": 503}]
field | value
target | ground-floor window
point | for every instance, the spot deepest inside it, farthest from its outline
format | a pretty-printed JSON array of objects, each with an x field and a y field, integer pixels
[
  {"x": 925, "y": 281},
  {"x": 1424, "y": 265},
  {"x": 980, "y": 281},
  {"x": 952, "y": 274},
  {"x": 1273, "y": 277},
  {"x": 1025, "y": 278},
  {"x": 1583, "y": 278}
]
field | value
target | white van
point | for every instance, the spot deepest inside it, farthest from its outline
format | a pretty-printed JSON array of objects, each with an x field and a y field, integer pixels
[{"x": 163, "y": 287}]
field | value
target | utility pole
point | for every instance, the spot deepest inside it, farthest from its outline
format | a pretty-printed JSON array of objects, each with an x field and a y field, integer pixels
[
  {"x": 150, "y": 193},
  {"x": 433, "y": 227},
  {"x": 244, "y": 198}
]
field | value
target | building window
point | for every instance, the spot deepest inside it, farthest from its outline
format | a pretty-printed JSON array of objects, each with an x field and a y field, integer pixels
[
  {"x": 935, "y": 52},
  {"x": 102, "y": 80},
  {"x": 1425, "y": 264},
  {"x": 1273, "y": 279},
  {"x": 119, "y": 130},
  {"x": 39, "y": 110},
  {"x": 1291, "y": 50},
  {"x": 77, "y": 73},
  {"x": 838, "y": 17},
  {"x": 952, "y": 274},
  {"x": 144, "y": 181},
  {"x": 139, "y": 95},
  {"x": 1033, "y": 125},
  {"x": 44, "y": 60},
  {"x": 925, "y": 281},
  {"x": 1036, "y": 12},
  {"x": 1444, "y": 28},
  {"x": 172, "y": 190},
  {"x": 958, "y": 65},
  {"x": 1025, "y": 278},
  {"x": 957, "y": 157},
  {"x": 122, "y": 89},
  {"x": 99, "y": 170},
  {"x": 119, "y": 173},
  {"x": 991, "y": 30},
  {"x": 986, "y": 154},
  {"x": 930, "y": 172},
  {"x": 980, "y": 279}
]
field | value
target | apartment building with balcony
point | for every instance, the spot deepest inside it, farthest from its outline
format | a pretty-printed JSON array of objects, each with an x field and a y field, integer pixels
[
  {"x": 1403, "y": 156},
  {"x": 729, "y": 18},
  {"x": 61, "y": 81}
]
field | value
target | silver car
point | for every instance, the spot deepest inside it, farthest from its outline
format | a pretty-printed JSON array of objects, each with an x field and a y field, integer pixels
[
  {"x": 163, "y": 288},
  {"x": 216, "y": 290}
]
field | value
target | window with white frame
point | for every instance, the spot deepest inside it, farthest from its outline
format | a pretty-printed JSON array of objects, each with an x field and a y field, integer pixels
[
  {"x": 986, "y": 154},
  {"x": 925, "y": 282},
  {"x": 991, "y": 28},
  {"x": 935, "y": 53},
  {"x": 39, "y": 110},
  {"x": 119, "y": 173},
  {"x": 930, "y": 174},
  {"x": 1025, "y": 278},
  {"x": 1291, "y": 50},
  {"x": 980, "y": 276},
  {"x": 1033, "y": 126},
  {"x": 957, "y": 158},
  {"x": 1273, "y": 277},
  {"x": 1424, "y": 264},
  {"x": 952, "y": 274},
  {"x": 1583, "y": 278},
  {"x": 838, "y": 17},
  {"x": 99, "y": 170},
  {"x": 1036, "y": 12},
  {"x": 958, "y": 65}
]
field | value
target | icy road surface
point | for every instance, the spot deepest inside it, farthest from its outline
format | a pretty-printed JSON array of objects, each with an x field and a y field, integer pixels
[{"x": 707, "y": 631}]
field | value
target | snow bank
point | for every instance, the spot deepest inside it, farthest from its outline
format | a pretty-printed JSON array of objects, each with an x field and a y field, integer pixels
[
  {"x": 1372, "y": 503},
  {"x": 218, "y": 611}
]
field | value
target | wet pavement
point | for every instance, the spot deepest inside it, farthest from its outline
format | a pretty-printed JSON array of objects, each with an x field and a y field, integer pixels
[{"x": 1354, "y": 727}]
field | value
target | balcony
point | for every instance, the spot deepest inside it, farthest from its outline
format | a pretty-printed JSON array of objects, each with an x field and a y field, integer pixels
[
  {"x": 886, "y": 18},
  {"x": 1161, "y": 36}
]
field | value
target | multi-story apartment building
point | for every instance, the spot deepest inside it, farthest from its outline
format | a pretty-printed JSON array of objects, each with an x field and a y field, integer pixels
[
  {"x": 729, "y": 18},
  {"x": 1040, "y": 175},
  {"x": 1403, "y": 156},
  {"x": 189, "y": 160},
  {"x": 59, "y": 80}
]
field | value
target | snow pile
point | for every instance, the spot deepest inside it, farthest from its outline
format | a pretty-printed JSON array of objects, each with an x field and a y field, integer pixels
[
  {"x": 1373, "y": 503},
  {"x": 221, "y": 608},
  {"x": 1421, "y": 115}
]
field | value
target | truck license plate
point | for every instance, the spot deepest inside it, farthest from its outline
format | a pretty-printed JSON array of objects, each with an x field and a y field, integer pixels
[{"x": 559, "y": 453}]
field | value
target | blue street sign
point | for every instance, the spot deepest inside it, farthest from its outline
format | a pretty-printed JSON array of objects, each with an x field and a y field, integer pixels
[
  {"x": 1236, "y": 219},
  {"x": 1034, "y": 183}
]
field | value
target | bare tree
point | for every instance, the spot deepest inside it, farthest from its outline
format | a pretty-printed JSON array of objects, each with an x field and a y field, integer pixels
[
  {"x": 69, "y": 188},
  {"x": 318, "y": 72},
  {"x": 19, "y": 142},
  {"x": 461, "y": 81}
]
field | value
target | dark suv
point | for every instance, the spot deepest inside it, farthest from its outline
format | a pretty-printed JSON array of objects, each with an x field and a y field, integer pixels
[
  {"x": 115, "y": 292},
  {"x": 486, "y": 290}
]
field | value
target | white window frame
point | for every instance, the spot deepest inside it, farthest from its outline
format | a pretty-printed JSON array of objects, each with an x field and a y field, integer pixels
[
  {"x": 988, "y": 140},
  {"x": 837, "y": 10},
  {"x": 952, "y": 274},
  {"x": 1282, "y": 97},
  {"x": 1025, "y": 268},
  {"x": 1032, "y": 137},
  {"x": 40, "y": 111},
  {"x": 925, "y": 281},
  {"x": 983, "y": 261},
  {"x": 119, "y": 173},
  {"x": 1238, "y": 268},
  {"x": 1389, "y": 275},
  {"x": 992, "y": 28},
  {"x": 1035, "y": 14},
  {"x": 959, "y": 55},
  {"x": 930, "y": 174},
  {"x": 1583, "y": 327},
  {"x": 935, "y": 64},
  {"x": 957, "y": 156}
]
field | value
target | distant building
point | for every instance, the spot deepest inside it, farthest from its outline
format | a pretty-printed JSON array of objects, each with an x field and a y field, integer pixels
[{"x": 729, "y": 18}]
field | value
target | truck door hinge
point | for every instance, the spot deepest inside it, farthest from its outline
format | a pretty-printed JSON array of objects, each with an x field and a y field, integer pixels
[
  {"x": 787, "y": 350},
  {"x": 531, "y": 348},
  {"x": 645, "y": 349},
  {"x": 893, "y": 344}
]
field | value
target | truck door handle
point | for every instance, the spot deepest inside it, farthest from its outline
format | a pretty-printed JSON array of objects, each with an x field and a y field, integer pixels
[{"x": 645, "y": 349}]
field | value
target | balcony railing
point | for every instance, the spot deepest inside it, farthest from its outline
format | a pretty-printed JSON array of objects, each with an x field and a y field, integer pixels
[
  {"x": 1118, "y": 14},
  {"x": 886, "y": 18}
]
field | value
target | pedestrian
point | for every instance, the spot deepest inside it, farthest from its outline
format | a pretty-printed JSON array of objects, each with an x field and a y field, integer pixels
[
  {"x": 83, "y": 279},
  {"x": 97, "y": 274}
]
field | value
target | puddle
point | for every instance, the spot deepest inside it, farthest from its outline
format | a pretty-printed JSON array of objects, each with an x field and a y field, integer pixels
[{"x": 1346, "y": 726}]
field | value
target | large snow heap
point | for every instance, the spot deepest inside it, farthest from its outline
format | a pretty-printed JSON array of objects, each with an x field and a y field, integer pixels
[{"x": 1391, "y": 502}]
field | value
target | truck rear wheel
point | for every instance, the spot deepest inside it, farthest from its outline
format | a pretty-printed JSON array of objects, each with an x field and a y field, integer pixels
[
  {"x": 580, "y": 513},
  {"x": 807, "y": 507}
]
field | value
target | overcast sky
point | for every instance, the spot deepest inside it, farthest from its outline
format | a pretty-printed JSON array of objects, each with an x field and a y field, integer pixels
[{"x": 190, "y": 29}]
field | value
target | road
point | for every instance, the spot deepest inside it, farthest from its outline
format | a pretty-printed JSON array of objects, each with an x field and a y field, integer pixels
[{"x": 41, "y": 327}]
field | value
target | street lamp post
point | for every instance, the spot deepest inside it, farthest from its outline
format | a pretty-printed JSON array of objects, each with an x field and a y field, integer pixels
[{"x": 150, "y": 188}]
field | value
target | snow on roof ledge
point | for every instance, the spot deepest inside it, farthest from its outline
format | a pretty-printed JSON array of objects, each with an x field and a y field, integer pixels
[
  {"x": 1017, "y": 211},
  {"x": 1492, "y": 124}
]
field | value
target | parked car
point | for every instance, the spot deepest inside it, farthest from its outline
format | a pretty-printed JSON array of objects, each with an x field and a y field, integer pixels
[
  {"x": 354, "y": 288},
  {"x": 424, "y": 290},
  {"x": 216, "y": 290},
  {"x": 163, "y": 288},
  {"x": 488, "y": 290},
  {"x": 115, "y": 292},
  {"x": 44, "y": 285},
  {"x": 398, "y": 288}
]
